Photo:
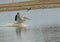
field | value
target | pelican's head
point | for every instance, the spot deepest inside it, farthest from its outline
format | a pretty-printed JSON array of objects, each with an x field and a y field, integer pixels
[{"x": 26, "y": 18}]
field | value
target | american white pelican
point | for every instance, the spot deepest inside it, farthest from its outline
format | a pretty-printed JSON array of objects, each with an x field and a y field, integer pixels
[{"x": 19, "y": 22}]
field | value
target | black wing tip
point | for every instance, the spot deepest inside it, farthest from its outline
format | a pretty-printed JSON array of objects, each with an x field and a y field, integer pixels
[
  {"x": 16, "y": 18},
  {"x": 17, "y": 15}
]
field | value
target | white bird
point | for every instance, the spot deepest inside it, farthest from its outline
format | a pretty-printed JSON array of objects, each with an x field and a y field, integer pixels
[{"x": 19, "y": 22}]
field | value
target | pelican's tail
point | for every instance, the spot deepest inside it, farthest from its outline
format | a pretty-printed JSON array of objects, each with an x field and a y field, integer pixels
[{"x": 8, "y": 25}]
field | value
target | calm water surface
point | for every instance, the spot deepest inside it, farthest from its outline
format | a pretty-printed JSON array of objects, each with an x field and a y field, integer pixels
[
  {"x": 32, "y": 34},
  {"x": 45, "y": 34}
]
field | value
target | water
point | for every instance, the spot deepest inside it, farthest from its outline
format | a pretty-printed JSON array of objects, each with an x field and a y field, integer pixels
[
  {"x": 32, "y": 34},
  {"x": 35, "y": 34},
  {"x": 7, "y": 34}
]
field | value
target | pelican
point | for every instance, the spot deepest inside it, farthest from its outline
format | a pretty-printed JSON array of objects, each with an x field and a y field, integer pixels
[{"x": 19, "y": 22}]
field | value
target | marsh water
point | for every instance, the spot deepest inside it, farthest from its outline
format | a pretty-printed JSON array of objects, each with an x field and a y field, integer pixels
[
  {"x": 36, "y": 34},
  {"x": 43, "y": 27}
]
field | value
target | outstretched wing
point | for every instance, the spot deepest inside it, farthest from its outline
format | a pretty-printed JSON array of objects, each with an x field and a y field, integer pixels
[{"x": 18, "y": 18}]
